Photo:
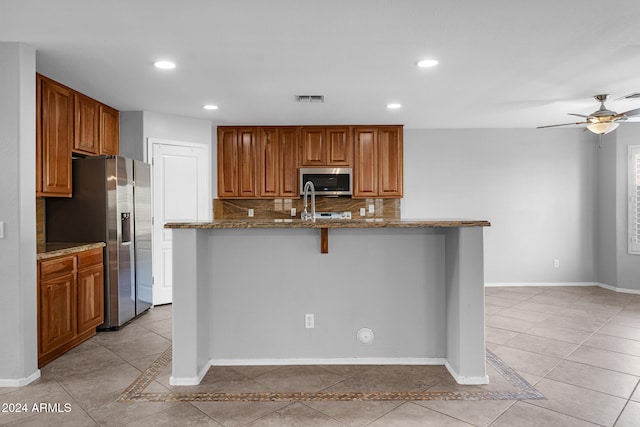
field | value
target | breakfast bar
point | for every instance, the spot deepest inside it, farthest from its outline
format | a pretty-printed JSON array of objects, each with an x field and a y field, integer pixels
[{"x": 243, "y": 291}]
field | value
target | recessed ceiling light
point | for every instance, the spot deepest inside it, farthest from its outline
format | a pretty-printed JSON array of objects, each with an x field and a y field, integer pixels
[
  {"x": 210, "y": 107},
  {"x": 165, "y": 65},
  {"x": 427, "y": 63},
  {"x": 393, "y": 106}
]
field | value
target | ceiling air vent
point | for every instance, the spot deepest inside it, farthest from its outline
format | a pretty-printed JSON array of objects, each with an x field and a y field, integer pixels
[{"x": 309, "y": 98}]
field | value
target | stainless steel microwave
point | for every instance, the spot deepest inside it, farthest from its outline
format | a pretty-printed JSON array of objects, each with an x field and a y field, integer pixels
[{"x": 328, "y": 181}]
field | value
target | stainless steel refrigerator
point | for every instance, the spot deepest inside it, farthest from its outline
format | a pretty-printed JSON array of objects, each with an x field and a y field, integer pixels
[{"x": 111, "y": 203}]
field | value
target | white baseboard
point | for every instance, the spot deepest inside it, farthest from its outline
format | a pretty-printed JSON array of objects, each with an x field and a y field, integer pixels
[
  {"x": 191, "y": 380},
  {"x": 460, "y": 379},
  {"x": 552, "y": 284},
  {"x": 548, "y": 284},
  {"x": 331, "y": 361},
  {"x": 621, "y": 290},
  {"x": 20, "y": 382}
]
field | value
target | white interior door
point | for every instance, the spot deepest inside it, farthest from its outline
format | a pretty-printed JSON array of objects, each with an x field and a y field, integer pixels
[{"x": 180, "y": 186}]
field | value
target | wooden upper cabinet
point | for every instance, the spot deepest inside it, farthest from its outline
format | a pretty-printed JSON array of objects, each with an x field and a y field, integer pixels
[
  {"x": 289, "y": 139},
  {"x": 227, "y": 162},
  {"x": 68, "y": 121},
  {"x": 54, "y": 138},
  {"x": 247, "y": 162},
  {"x": 109, "y": 131},
  {"x": 86, "y": 125},
  {"x": 38, "y": 135},
  {"x": 279, "y": 162},
  {"x": 390, "y": 160},
  {"x": 339, "y": 147},
  {"x": 326, "y": 146},
  {"x": 269, "y": 163},
  {"x": 378, "y": 169},
  {"x": 237, "y": 162},
  {"x": 264, "y": 162},
  {"x": 366, "y": 162},
  {"x": 314, "y": 150}
]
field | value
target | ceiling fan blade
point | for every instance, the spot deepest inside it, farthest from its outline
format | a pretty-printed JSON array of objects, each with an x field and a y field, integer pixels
[
  {"x": 630, "y": 113},
  {"x": 630, "y": 96},
  {"x": 579, "y": 115},
  {"x": 564, "y": 124}
]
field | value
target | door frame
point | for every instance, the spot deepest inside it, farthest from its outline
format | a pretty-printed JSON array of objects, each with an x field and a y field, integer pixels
[{"x": 151, "y": 141}]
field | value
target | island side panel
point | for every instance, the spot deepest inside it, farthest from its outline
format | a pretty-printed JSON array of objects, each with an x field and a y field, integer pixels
[
  {"x": 389, "y": 280},
  {"x": 191, "y": 309},
  {"x": 465, "y": 305}
]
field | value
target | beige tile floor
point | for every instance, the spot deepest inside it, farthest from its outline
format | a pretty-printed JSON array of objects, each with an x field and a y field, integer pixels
[{"x": 579, "y": 346}]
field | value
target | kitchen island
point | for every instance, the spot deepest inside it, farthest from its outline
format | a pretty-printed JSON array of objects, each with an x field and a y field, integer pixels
[{"x": 242, "y": 291}]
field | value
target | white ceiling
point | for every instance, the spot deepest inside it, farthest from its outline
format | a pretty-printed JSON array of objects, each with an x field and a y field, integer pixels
[{"x": 503, "y": 63}]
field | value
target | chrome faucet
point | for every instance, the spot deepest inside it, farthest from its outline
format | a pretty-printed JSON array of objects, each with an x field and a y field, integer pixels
[{"x": 305, "y": 214}]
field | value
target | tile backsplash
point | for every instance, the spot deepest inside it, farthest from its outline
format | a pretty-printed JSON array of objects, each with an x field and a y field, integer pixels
[
  {"x": 40, "y": 214},
  {"x": 281, "y": 208}
]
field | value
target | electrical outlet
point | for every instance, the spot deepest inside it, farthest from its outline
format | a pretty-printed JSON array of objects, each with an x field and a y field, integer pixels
[
  {"x": 309, "y": 321},
  {"x": 371, "y": 208},
  {"x": 293, "y": 211},
  {"x": 556, "y": 263},
  {"x": 250, "y": 212},
  {"x": 363, "y": 212}
]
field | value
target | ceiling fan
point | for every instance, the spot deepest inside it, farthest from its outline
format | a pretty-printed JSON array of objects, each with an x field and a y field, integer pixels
[{"x": 603, "y": 120}]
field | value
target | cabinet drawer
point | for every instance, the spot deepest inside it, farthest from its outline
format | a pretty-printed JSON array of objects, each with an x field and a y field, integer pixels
[
  {"x": 56, "y": 266},
  {"x": 90, "y": 257}
]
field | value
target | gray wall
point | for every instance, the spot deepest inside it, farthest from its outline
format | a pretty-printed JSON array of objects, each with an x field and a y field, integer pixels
[
  {"x": 137, "y": 126},
  {"x": 537, "y": 187},
  {"x": 18, "y": 357},
  {"x": 389, "y": 280}
]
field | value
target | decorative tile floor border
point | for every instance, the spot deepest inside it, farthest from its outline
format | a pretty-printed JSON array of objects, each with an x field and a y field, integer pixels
[{"x": 135, "y": 392}]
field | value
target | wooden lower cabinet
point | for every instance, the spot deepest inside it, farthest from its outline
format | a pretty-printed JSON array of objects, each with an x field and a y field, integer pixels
[
  {"x": 57, "y": 312},
  {"x": 70, "y": 302},
  {"x": 90, "y": 286}
]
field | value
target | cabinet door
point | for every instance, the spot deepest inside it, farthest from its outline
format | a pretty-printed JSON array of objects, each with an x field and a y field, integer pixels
[
  {"x": 269, "y": 163},
  {"x": 314, "y": 150},
  {"x": 56, "y": 138},
  {"x": 390, "y": 172},
  {"x": 38, "y": 135},
  {"x": 366, "y": 163},
  {"x": 289, "y": 139},
  {"x": 247, "y": 162},
  {"x": 57, "y": 320},
  {"x": 90, "y": 298},
  {"x": 86, "y": 125},
  {"x": 227, "y": 162},
  {"x": 109, "y": 131},
  {"x": 339, "y": 147}
]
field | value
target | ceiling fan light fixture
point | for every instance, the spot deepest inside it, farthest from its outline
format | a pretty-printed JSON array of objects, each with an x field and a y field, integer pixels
[{"x": 602, "y": 128}]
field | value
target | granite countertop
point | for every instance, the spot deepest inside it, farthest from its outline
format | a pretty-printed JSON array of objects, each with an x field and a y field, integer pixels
[
  {"x": 328, "y": 223},
  {"x": 54, "y": 249}
]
